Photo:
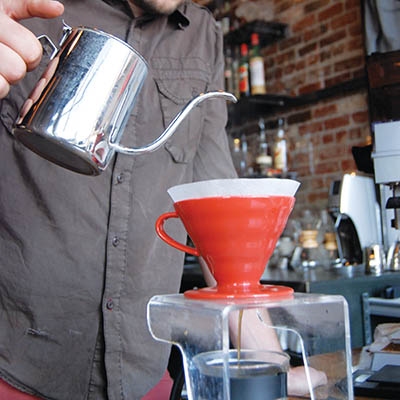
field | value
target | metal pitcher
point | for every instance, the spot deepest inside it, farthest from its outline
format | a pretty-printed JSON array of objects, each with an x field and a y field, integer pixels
[{"x": 76, "y": 114}]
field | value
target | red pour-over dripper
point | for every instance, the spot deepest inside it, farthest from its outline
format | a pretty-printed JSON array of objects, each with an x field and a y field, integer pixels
[{"x": 234, "y": 225}]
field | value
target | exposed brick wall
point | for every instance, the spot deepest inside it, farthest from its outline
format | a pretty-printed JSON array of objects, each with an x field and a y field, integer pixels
[{"x": 324, "y": 47}]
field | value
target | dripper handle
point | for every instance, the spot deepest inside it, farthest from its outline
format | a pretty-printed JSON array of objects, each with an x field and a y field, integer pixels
[
  {"x": 168, "y": 239},
  {"x": 171, "y": 128}
]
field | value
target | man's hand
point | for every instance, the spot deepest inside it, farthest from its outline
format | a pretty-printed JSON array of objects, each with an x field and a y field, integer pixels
[
  {"x": 20, "y": 51},
  {"x": 297, "y": 381}
]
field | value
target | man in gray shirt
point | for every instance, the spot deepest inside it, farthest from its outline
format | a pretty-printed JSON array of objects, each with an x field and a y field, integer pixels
[{"x": 79, "y": 257}]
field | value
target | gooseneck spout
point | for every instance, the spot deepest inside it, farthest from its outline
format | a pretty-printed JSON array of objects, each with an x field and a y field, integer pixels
[{"x": 169, "y": 131}]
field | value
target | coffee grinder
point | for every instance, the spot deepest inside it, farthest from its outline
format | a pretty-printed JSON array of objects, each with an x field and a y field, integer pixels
[
  {"x": 234, "y": 225},
  {"x": 355, "y": 209}
]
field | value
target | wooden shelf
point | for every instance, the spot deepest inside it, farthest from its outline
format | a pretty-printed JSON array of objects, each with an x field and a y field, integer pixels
[{"x": 268, "y": 32}]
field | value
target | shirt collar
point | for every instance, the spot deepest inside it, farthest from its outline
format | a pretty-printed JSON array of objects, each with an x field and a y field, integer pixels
[{"x": 179, "y": 17}]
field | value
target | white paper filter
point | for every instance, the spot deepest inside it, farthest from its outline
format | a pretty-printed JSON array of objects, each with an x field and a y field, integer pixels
[{"x": 238, "y": 187}]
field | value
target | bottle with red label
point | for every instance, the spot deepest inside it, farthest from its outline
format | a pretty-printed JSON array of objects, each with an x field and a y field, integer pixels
[
  {"x": 244, "y": 81},
  {"x": 256, "y": 67}
]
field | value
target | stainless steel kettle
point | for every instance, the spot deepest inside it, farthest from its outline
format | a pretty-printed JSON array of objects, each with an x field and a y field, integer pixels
[{"x": 77, "y": 112}]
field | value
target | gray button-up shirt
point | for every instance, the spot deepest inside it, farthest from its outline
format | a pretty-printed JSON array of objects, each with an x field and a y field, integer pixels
[{"x": 79, "y": 252}]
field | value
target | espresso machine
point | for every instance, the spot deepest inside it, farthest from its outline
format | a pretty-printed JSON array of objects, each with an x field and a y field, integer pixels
[
  {"x": 384, "y": 103},
  {"x": 355, "y": 209},
  {"x": 215, "y": 327}
]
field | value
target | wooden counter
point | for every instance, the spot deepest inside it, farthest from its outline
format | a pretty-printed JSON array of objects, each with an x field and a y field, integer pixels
[{"x": 327, "y": 362}]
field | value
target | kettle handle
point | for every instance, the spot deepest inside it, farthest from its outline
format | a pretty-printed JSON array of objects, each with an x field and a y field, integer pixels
[
  {"x": 174, "y": 123},
  {"x": 49, "y": 48},
  {"x": 168, "y": 239}
]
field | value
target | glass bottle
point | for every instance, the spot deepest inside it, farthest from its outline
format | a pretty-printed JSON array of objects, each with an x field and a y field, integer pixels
[
  {"x": 244, "y": 81},
  {"x": 329, "y": 241},
  {"x": 229, "y": 86},
  {"x": 256, "y": 66},
  {"x": 308, "y": 253},
  {"x": 280, "y": 149},
  {"x": 239, "y": 155},
  {"x": 263, "y": 159},
  {"x": 235, "y": 71}
]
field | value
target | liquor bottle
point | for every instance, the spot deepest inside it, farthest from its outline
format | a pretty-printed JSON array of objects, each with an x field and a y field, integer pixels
[
  {"x": 245, "y": 163},
  {"x": 235, "y": 71},
  {"x": 256, "y": 67},
  {"x": 263, "y": 159},
  {"x": 238, "y": 157},
  {"x": 229, "y": 85},
  {"x": 244, "y": 81},
  {"x": 280, "y": 149}
]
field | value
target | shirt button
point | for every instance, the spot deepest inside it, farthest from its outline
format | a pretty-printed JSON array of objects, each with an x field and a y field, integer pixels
[
  {"x": 110, "y": 304},
  {"x": 115, "y": 241},
  {"x": 120, "y": 177}
]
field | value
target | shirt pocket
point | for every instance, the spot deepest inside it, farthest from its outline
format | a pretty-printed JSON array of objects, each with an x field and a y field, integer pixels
[{"x": 178, "y": 82}]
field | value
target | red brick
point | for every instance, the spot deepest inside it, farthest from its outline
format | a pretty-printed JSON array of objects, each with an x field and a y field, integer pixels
[
  {"x": 341, "y": 136},
  {"x": 270, "y": 51},
  {"x": 327, "y": 167},
  {"x": 304, "y": 23},
  {"x": 330, "y": 152},
  {"x": 285, "y": 57},
  {"x": 330, "y": 12},
  {"x": 349, "y": 63},
  {"x": 290, "y": 68},
  {"x": 311, "y": 87},
  {"x": 315, "y": 5},
  {"x": 315, "y": 197},
  {"x": 283, "y": 5},
  {"x": 289, "y": 42},
  {"x": 325, "y": 55},
  {"x": 325, "y": 110},
  {"x": 355, "y": 44},
  {"x": 349, "y": 4},
  {"x": 307, "y": 49},
  {"x": 344, "y": 20},
  {"x": 355, "y": 133},
  {"x": 361, "y": 117},
  {"x": 355, "y": 29},
  {"x": 317, "y": 183},
  {"x": 337, "y": 122},
  {"x": 338, "y": 79},
  {"x": 316, "y": 31},
  {"x": 334, "y": 37},
  {"x": 311, "y": 127},
  {"x": 301, "y": 64},
  {"x": 312, "y": 59},
  {"x": 338, "y": 49},
  {"x": 327, "y": 139},
  {"x": 348, "y": 166}
]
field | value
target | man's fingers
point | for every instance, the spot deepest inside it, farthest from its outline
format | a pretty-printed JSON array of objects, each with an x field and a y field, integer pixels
[
  {"x": 17, "y": 37},
  {"x": 12, "y": 66},
  {"x": 45, "y": 8},
  {"x": 22, "y": 9},
  {"x": 20, "y": 51},
  {"x": 4, "y": 87},
  {"x": 21, "y": 41}
]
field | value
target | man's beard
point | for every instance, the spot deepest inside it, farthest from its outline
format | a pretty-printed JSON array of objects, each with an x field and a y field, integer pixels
[{"x": 150, "y": 7}]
